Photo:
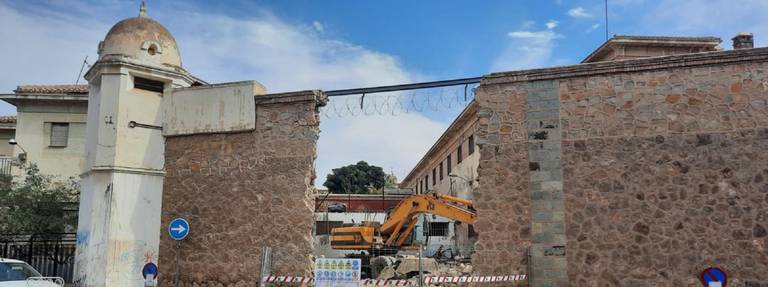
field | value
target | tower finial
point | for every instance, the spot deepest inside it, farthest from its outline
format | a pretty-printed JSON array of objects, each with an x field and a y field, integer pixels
[{"x": 143, "y": 9}]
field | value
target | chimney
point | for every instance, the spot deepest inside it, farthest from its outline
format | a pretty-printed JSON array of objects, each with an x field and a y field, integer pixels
[{"x": 743, "y": 41}]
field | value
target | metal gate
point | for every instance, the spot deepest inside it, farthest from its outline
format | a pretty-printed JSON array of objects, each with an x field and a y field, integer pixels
[{"x": 53, "y": 255}]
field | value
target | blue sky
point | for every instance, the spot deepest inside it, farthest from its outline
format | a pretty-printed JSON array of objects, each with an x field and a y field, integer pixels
[{"x": 293, "y": 45}]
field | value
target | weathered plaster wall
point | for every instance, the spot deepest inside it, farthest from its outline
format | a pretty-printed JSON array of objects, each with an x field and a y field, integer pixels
[
  {"x": 242, "y": 191},
  {"x": 33, "y": 132},
  {"x": 663, "y": 171}
]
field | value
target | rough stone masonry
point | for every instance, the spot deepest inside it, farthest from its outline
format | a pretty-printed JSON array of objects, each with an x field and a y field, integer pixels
[
  {"x": 655, "y": 169},
  {"x": 242, "y": 191}
]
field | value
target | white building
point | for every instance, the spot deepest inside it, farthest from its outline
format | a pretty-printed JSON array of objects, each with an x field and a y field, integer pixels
[{"x": 50, "y": 127}]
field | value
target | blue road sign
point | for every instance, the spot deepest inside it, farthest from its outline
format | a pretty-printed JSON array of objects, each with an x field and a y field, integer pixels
[
  {"x": 149, "y": 268},
  {"x": 713, "y": 274},
  {"x": 178, "y": 228}
]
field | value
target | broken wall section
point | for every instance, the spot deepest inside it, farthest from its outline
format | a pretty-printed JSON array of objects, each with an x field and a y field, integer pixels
[{"x": 242, "y": 190}]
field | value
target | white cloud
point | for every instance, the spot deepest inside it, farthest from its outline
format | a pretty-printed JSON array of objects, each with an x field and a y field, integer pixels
[
  {"x": 218, "y": 48},
  {"x": 579, "y": 12},
  {"x": 593, "y": 28},
  {"x": 551, "y": 24},
  {"x": 43, "y": 48},
  {"x": 527, "y": 49},
  {"x": 394, "y": 143},
  {"x": 318, "y": 26}
]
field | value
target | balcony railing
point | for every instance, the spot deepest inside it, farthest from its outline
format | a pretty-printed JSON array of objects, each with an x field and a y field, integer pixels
[{"x": 5, "y": 164}]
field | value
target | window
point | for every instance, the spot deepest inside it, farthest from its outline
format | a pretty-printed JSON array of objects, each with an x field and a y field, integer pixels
[
  {"x": 324, "y": 227},
  {"x": 148, "y": 85},
  {"x": 426, "y": 183},
  {"x": 471, "y": 144},
  {"x": 441, "y": 171},
  {"x": 438, "y": 229},
  {"x": 458, "y": 155},
  {"x": 449, "y": 164},
  {"x": 59, "y": 134},
  {"x": 434, "y": 176}
]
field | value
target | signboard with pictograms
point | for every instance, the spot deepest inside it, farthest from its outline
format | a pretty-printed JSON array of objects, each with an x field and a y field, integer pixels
[{"x": 337, "y": 272}]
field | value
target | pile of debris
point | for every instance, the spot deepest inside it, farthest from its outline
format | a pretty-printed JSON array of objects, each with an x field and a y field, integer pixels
[{"x": 407, "y": 266}]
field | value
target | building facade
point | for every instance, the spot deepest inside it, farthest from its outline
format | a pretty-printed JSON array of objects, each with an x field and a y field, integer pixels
[{"x": 50, "y": 127}]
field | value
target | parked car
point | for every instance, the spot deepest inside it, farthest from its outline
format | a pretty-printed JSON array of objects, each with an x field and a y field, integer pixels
[
  {"x": 17, "y": 273},
  {"x": 337, "y": 207}
]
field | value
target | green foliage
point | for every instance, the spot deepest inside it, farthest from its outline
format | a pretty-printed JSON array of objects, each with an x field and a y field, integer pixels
[
  {"x": 357, "y": 178},
  {"x": 37, "y": 204},
  {"x": 391, "y": 181}
]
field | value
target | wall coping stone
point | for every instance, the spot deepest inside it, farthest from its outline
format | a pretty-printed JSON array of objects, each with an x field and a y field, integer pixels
[
  {"x": 316, "y": 96},
  {"x": 632, "y": 65}
]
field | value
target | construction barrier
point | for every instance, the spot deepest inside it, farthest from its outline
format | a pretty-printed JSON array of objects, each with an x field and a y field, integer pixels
[
  {"x": 298, "y": 280},
  {"x": 473, "y": 279}
]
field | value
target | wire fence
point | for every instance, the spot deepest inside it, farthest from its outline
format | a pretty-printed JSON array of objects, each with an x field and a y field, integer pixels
[{"x": 438, "y": 99}]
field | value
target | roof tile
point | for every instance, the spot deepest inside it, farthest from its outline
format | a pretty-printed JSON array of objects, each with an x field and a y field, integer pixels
[
  {"x": 53, "y": 89},
  {"x": 7, "y": 119}
]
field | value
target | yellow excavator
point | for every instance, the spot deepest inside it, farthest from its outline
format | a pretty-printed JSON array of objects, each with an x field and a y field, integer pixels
[{"x": 395, "y": 232}]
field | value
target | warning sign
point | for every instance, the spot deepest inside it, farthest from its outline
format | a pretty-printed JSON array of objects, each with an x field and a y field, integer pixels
[{"x": 337, "y": 272}]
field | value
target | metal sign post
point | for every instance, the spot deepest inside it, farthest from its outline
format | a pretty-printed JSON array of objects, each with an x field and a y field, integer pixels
[
  {"x": 178, "y": 229},
  {"x": 266, "y": 265}
]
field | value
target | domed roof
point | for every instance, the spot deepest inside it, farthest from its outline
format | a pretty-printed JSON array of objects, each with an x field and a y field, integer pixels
[{"x": 143, "y": 39}]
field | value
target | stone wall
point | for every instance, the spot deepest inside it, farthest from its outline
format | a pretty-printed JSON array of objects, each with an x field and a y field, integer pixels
[
  {"x": 663, "y": 171},
  {"x": 243, "y": 191}
]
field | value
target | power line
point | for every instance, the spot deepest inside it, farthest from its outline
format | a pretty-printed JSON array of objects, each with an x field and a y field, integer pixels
[
  {"x": 85, "y": 62},
  {"x": 606, "y": 20},
  {"x": 404, "y": 87}
]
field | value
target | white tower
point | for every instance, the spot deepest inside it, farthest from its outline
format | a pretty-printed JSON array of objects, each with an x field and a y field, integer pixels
[{"x": 119, "y": 225}]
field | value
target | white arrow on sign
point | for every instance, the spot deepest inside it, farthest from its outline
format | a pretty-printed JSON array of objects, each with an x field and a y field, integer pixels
[{"x": 178, "y": 229}]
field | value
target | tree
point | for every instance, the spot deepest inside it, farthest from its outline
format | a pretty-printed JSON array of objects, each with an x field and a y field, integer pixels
[
  {"x": 356, "y": 178},
  {"x": 391, "y": 181},
  {"x": 37, "y": 204}
]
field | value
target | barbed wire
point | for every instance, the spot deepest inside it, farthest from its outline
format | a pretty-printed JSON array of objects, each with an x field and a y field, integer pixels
[{"x": 400, "y": 102}]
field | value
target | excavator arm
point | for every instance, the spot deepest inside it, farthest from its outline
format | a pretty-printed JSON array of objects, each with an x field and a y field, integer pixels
[{"x": 401, "y": 221}]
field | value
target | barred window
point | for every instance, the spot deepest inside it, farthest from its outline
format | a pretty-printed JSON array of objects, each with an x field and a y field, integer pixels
[{"x": 438, "y": 229}]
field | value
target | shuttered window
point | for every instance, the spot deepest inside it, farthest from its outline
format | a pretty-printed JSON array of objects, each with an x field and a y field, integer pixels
[{"x": 59, "y": 134}]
